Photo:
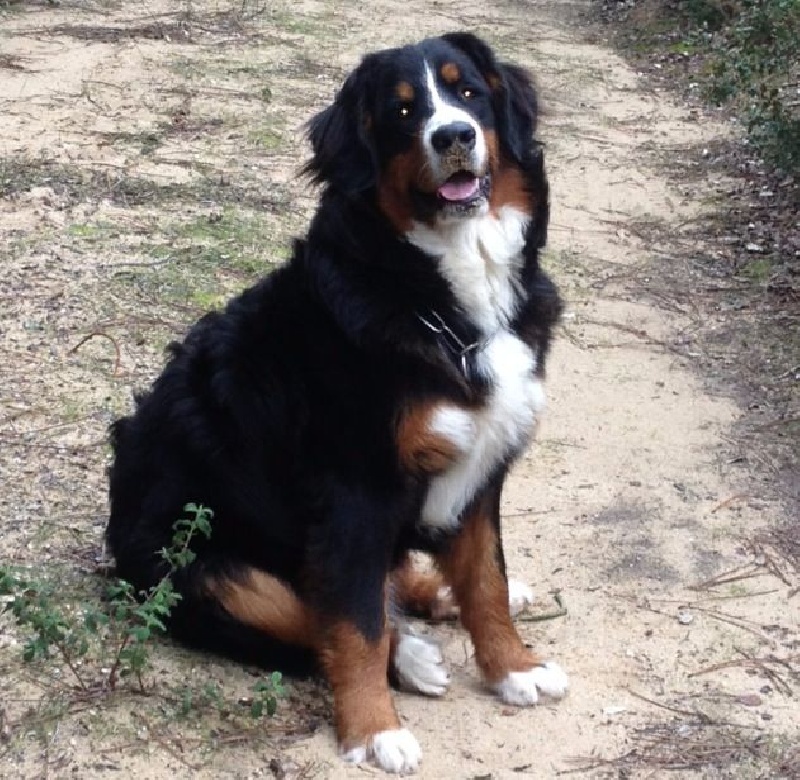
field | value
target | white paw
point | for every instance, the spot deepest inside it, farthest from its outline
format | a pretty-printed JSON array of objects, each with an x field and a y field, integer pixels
[
  {"x": 396, "y": 751},
  {"x": 454, "y": 424},
  {"x": 520, "y": 597},
  {"x": 522, "y": 689},
  {"x": 419, "y": 665}
]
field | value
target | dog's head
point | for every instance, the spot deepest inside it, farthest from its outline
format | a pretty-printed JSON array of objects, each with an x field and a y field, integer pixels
[{"x": 436, "y": 131}]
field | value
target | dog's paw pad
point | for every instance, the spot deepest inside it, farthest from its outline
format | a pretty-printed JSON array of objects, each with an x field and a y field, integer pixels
[
  {"x": 522, "y": 689},
  {"x": 420, "y": 666},
  {"x": 520, "y": 597},
  {"x": 396, "y": 751}
]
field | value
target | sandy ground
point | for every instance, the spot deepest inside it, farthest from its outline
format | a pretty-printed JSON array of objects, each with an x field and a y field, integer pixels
[{"x": 633, "y": 505}]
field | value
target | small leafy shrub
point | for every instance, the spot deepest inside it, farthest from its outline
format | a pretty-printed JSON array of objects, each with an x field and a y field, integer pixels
[
  {"x": 114, "y": 637},
  {"x": 183, "y": 701},
  {"x": 742, "y": 53},
  {"x": 711, "y": 14},
  {"x": 104, "y": 643},
  {"x": 191, "y": 698},
  {"x": 266, "y": 694},
  {"x": 756, "y": 68}
]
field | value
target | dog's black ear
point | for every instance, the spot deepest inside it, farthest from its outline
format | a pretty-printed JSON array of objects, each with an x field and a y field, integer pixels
[
  {"x": 343, "y": 152},
  {"x": 513, "y": 92}
]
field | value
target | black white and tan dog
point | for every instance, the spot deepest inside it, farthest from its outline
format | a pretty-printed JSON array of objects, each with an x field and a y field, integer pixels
[{"x": 365, "y": 400}]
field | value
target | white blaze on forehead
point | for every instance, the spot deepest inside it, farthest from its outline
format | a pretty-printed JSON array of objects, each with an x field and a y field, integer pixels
[{"x": 445, "y": 113}]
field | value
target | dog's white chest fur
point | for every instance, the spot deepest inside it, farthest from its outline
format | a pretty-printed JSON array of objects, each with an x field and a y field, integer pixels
[
  {"x": 481, "y": 258},
  {"x": 486, "y": 437}
]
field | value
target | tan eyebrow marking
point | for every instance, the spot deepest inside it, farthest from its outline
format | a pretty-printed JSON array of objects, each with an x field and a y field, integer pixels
[
  {"x": 450, "y": 72},
  {"x": 404, "y": 91}
]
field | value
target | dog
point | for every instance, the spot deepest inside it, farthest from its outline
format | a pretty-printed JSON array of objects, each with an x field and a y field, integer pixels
[{"x": 363, "y": 401}]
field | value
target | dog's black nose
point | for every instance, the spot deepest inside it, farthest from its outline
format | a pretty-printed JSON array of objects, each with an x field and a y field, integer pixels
[{"x": 456, "y": 132}]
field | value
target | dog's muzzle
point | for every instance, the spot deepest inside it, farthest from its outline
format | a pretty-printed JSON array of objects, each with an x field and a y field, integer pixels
[{"x": 456, "y": 147}]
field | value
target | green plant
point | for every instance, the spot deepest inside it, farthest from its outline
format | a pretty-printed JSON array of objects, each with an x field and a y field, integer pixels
[
  {"x": 756, "y": 68},
  {"x": 707, "y": 13},
  {"x": 115, "y": 635},
  {"x": 742, "y": 53},
  {"x": 187, "y": 699},
  {"x": 104, "y": 642},
  {"x": 266, "y": 694},
  {"x": 190, "y": 698},
  {"x": 33, "y": 605}
]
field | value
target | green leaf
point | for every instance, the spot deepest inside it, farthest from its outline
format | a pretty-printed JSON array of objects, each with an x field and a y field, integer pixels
[{"x": 140, "y": 633}]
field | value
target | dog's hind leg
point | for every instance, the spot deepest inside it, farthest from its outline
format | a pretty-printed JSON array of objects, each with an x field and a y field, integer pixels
[
  {"x": 426, "y": 594},
  {"x": 422, "y": 594},
  {"x": 263, "y": 602}
]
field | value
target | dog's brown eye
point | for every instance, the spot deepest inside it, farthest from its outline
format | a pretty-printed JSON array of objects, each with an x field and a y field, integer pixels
[
  {"x": 467, "y": 93},
  {"x": 404, "y": 111}
]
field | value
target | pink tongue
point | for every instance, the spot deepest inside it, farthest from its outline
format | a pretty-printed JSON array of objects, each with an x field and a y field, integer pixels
[{"x": 458, "y": 190}]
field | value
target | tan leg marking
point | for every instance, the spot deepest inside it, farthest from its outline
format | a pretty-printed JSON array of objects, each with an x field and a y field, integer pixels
[
  {"x": 264, "y": 602},
  {"x": 471, "y": 567},
  {"x": 423, "y": 593},
  {"x": 356, "y": 669}
]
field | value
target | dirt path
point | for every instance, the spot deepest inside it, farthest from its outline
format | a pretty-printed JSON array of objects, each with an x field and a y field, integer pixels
[{"x": 146, "y": 171}]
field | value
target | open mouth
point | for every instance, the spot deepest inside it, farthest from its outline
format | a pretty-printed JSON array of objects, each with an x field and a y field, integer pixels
[{"x": 461, "y": 188}]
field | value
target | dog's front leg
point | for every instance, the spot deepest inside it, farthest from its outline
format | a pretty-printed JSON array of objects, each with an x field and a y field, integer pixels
[
  {"x": 473, "y": 564},
  {"x": 355, "y": 639},
  {"x": 367, "y": 725}
]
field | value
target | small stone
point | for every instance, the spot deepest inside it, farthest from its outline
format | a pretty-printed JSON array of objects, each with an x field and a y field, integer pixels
[
  {"x": 685, "y": 617},
  {"x": 284, "y": 769},
  {"x": 749, "y": 699}
]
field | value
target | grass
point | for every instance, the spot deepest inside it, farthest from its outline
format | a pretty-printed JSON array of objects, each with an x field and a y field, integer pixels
[
  {"x": 306, "y": 24},
  {"x": 70, "y": 185},
  {"x": 201, "y": 262},
  {"x": 266, "y": 138},
  {"x": 145, "y": 141}
]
